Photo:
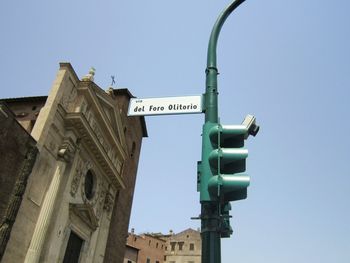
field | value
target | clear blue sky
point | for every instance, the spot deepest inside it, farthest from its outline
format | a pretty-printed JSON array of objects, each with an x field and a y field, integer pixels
[{"x": 286, "y": 62}]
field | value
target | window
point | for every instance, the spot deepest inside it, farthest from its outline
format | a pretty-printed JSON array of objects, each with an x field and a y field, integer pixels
[
  {"x": 73, "y": 249},
  {"x": 148, "y": 260},
  {"x": 181, "y": 244},
  {"x": 172, "y": 244},
  {"x": 191, "y": 246},
  {"x": 89, "y": 185},
  {"x": 129, "y": 261}
]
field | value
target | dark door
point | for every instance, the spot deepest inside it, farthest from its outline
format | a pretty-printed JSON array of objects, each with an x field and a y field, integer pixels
[{"x": 73, "y": 249}]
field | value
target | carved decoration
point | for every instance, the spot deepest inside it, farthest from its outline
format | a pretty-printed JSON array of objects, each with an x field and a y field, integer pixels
[
  {"x": 108, "y": 204},
  {"x": 111, "y": 153},
  {"x": 86, "y": 213},
  {"x": 81, "y": 168},
  {"x": 67, "y": 150},
  {"x": 101, "y": 197}
]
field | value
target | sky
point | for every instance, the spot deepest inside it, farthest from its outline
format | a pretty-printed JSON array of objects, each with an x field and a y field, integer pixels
[{"x": 286, "y": 62}]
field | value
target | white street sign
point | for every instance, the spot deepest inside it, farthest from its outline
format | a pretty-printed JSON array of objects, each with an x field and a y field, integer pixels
[{"x": 166, "y": 105}]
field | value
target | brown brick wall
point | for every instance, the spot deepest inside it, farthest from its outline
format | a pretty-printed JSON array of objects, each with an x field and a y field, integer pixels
[{"x": 149, "y": 247}]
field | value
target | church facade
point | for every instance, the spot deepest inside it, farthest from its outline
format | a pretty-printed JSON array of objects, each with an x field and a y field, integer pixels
[{"x": 77, "y": 199}]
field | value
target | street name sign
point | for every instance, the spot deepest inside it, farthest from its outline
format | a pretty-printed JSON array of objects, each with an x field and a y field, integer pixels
[{"x": 165, "y": 105}]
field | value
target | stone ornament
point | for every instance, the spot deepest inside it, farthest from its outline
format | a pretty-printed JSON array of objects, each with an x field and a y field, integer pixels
[{"x": 81, "y": 168}]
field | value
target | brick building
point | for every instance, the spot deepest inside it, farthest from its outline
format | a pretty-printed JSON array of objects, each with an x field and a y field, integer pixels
[
  {"x": 184, "y": 247},
  {"x": 150, "y": 248},
  {"x": 74, "y": 200}
]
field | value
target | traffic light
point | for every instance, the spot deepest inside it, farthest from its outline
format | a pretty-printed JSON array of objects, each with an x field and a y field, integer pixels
[
  {"x": 221, "y": 171},
  {"x": 227, "y": 163}
]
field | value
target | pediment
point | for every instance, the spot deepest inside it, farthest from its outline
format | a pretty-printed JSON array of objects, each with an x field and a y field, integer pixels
[
  {"x": 112, "y": 118},
  {"x": 86, "y": 213},
  {"x": 108, "y": 112}
]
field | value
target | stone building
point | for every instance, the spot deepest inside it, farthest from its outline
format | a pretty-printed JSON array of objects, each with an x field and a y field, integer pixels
[
  {"x": 76, "y": 200},
  {"x": 184, "y": 247}
]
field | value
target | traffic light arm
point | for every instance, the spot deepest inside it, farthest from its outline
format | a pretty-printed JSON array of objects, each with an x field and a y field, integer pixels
[
  {"x": 211, "y": 58},
  {"x": 211, "y": 94}
]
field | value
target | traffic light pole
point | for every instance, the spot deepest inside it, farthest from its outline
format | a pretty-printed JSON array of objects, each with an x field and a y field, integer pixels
[
  {"x": 211, "y": 95},
  {"x": 210, "y": 211}
]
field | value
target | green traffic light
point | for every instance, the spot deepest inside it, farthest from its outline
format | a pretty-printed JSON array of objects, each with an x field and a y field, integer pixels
[{"x": 224, "y": 161}]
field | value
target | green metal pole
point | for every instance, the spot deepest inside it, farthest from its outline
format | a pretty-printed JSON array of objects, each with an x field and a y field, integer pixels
[
  {"x": 211, "y": 105},
  {"x": 210, "y": 211}
]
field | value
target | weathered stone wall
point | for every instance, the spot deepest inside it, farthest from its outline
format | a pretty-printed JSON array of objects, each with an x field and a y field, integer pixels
[
  {"x": 18, "y": 153},
  {"x": 184, "y": 247},
  {"x": 134, "y": 131}
]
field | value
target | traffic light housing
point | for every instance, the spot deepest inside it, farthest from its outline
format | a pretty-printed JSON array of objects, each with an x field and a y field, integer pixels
[
  {"x": 227, "y": 162},
  {"x": 221, "y": 178},
  {"x": 223, "y": 163}
]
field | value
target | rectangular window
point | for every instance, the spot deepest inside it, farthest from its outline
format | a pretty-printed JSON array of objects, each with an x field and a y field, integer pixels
[
  {"x": 172, "y": 244},
  {"x": 148, "y": 260},
  {"x": 181, "y": 244},
  {"x": 191, "y": 246}
]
